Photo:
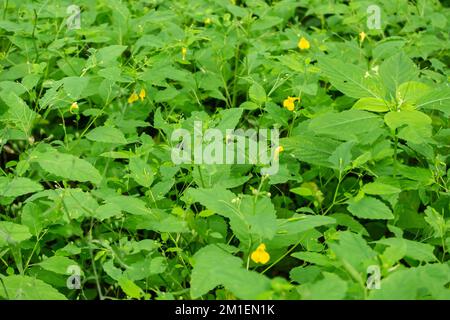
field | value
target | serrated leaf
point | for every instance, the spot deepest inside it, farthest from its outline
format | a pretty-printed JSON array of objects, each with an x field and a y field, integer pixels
[
  {"x": 436, "y": 99},
  {"x": 371, "y": 104},
  {"x": 257, "y": 93},
  {"x": 247, "y": 217},
  {"x": 141, "y": 172},
  {"x": 74, "y": 86},
  {"x": 130, "y": 288},
  {"x": 396, "y": 70},
  {"x": 331, "y": 287},
  {"x": 353, "y": 249},
  {"x": 67, "y": 166},
  {"x": 311, "y": 149},
  {"x": 208, "y": 274},
  {"x": 18, "y": 287},
  {"x": 369, "y": 208},
  {"x": 19, "y": 186},
  {"x": 348, "y": 78},
  {"x": 414, "y": 250},
  {"x": 345, "y": 125},
  {"x": 106, "y": 135},
  {"x": 421, "y": 282},
  {"x": 13, "y": 233},
  {"x": 19, "y": 114},
  {"x": 57, "y": 264},
  {"x": 377, "y": 188},
  {"x": 415, "y": 126}
]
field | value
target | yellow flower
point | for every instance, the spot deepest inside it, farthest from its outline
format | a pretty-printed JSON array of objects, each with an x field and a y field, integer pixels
[
  {"x": 207, "y": 21},
  {"x": 134, "y": 97},
  {"x": 142, "y": 94},
  {"x": 289, "y": 103},
  {"x": 362, "y": 36},
  {"x": 73, "y": 107},
  {"x": 260, "y": 255},
  {"x": 303, "y": 44},
  {"x": 278, "y": 150},
  {"x": 183, "y": 53}
]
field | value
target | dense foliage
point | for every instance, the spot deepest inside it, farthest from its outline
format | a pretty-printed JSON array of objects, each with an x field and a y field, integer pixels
[{"x": 88, "y": 186}]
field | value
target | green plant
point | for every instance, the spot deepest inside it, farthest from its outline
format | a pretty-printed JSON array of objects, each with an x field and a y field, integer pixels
[{"x": 89, "y": 191}]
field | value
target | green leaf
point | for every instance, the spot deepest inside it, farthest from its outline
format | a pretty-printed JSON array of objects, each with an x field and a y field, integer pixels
[
  {"x": 415, "y": 126},
  {"x": 257, "y": 93},
  {"x": 130, "y": 288},
  {"x": 13, "y": 233},
  {"x": 57, "y": 264},
  {"x": 141, "y": 172},
  {"x": 348, "y": 78},
  {"x": 422, "y": 282},
  {"x": 74, "y": 86},
  {"x": 436, "y": 99},
  {"x": 345, "y": 125},
  {"x": 229, "y": 119},
  {"x": 67, "y": 166},
  {"x": 265, "y": 22},
  {"x": 436, "y": 221},
  {"x": 260, "y": 216},
  {"x": 371, "y": 104},
  {"x": 396, "y": 70},
  {"x": 313, "y": 257},
  {"x": 106, "y": 135},
  {"x": 107, "y": 55},
  {"x": 410, "y": 92},
  {"x": 377, "y": 188},
  {"x": 248, "y": 105},
  {"x": 207, "y": 274},
  {"x": 18, "y": 187},
  {"x": 353, "y": 249},
  {"x": 18, "y": 115},
  {"x": 247, "y": 217},
  {"x": 130, "y": 204},
  {"x": 18, "y": 287},
  {"x": 300, "y": 223},
  {"x": 107, "y": 211},
  {"x": 331, "y": 287},
  {"x": 310, "y": 149},
  {"x": 414, "y": 250},
  {"x": 369, "y": 208},
  {"x": 342, "y": 156}
]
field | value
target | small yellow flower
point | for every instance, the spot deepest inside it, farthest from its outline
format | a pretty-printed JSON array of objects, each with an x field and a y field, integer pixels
[
  {"x": 289, "y": 103},
  {"x": 142, "y": 94},
  {"x": 278, "y": 150},
  {"x": 260, "y": 255},
  {"x": 303, "y": 44},
  {"x": 133, "y": 98},
  {"x": 362, "y": 36},
  {"x": 73, "y": 107},
  {"x": 207, "y": 21},
  {"x": 183, "y": 53}
]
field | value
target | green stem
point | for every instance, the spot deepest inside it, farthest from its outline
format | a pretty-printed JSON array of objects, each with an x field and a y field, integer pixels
[
  {"x": 335, "y": 193},
  {"x": 5, "y": 8},
  {"x": 282, "y": 257},
  {"x": 236, "y": 65},
  {"x": 395, "y": 152},
  {"x": 33, "y": 36},
  {"x": 201, "y": 176}
]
